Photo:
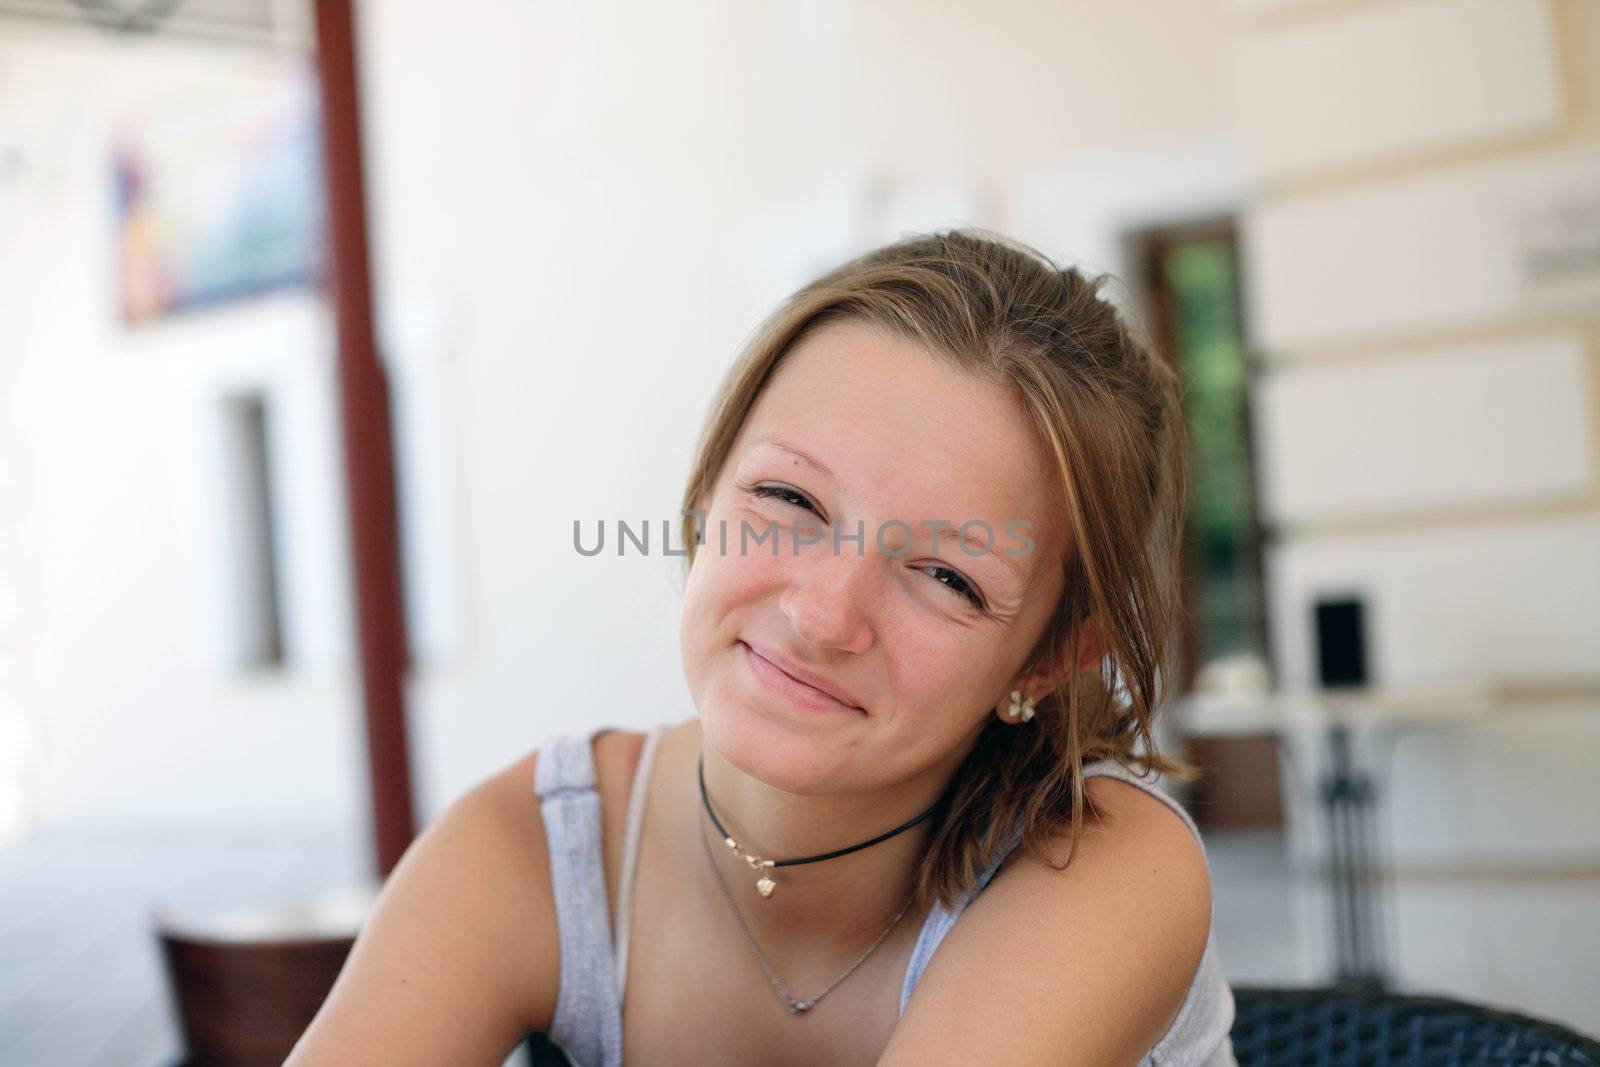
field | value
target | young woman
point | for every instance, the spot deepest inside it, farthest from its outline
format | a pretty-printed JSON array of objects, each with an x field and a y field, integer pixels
[{"x": 934, "y": 530}]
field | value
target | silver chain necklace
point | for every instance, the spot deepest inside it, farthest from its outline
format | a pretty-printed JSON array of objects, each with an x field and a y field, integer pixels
[{"x": 795, "y": 1006}]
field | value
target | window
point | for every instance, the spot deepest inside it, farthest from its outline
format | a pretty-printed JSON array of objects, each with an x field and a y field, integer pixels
[{"x": 253, "y": 543}]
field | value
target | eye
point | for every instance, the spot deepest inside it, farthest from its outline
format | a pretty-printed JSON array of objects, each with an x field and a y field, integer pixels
[
  {"x": 958, "y": 584},
  {"x": 783, "y": 493}
]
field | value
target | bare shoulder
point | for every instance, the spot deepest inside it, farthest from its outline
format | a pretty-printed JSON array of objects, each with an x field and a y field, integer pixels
[
  {"x": 1083, "y": 964},
  {"x": 459, "y": 958}
]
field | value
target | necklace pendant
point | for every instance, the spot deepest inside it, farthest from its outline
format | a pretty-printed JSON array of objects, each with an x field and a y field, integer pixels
[
  {"x": 766, "y": 886},
  {"x": 798, "y": 1006}
]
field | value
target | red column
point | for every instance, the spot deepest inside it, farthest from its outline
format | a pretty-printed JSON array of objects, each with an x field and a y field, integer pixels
[{"x": 368, "y": 445}]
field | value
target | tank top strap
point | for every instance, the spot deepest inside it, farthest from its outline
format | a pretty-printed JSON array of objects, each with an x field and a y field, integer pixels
[
  {"x": 1110, "y": 768},
  {"x": 637, "y": 797},
  {"x": 587, "y": 1023}
]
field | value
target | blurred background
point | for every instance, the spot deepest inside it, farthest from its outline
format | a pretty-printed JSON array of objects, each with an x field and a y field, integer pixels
[{"x": 1367, "y": 232}]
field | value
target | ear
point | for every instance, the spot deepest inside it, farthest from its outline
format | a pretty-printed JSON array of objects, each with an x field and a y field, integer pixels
[{"x": 1091, "y": 644}]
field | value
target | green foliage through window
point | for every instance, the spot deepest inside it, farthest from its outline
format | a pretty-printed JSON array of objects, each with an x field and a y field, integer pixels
[{"x": 1202, "y": 277}]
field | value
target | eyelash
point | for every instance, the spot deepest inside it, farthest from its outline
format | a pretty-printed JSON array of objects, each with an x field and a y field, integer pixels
[{"x": 970, "y": 593}]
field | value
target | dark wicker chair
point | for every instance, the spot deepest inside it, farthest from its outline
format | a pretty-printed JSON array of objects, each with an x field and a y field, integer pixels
[
  {"x": 541, "y": 1053},
  {"x": 1335, "y": 1027},
  {"x": 1338, "y": 1027}
]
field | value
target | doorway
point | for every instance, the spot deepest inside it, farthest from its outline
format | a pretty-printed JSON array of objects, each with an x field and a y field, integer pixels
[{"x": 1188, "y": 278}]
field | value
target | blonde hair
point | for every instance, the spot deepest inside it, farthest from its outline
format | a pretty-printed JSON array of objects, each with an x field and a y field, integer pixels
[{"x": 1110, "y": 414}]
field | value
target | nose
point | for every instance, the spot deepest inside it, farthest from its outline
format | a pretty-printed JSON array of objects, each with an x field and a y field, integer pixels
[{"x": 827, "y": 600}]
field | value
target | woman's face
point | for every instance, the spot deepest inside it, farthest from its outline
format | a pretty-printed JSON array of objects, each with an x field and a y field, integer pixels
[{"x": 923, "y": 635}]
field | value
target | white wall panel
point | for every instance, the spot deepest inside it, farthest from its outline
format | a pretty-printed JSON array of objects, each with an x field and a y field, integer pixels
[
  {"x": 1395, "y": 79},
  {"x": 1251, "y": 6},
  {"x": 1448, "y": 248},
  {"x": 1503, "y": 422},
  {"x": 1451, "y": 605}
]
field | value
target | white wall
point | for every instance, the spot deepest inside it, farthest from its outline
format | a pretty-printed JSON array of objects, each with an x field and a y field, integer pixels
[{"x": 129, "y": 708}]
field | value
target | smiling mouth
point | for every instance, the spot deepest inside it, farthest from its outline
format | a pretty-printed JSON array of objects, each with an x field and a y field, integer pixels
[{"x": 776, "y": 679}]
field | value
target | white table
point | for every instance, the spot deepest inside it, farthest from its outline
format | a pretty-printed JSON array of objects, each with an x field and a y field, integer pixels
[{"x": 1345, "y": 724}]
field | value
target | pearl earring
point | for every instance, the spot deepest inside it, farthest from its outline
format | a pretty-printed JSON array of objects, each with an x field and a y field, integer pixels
[{"x": 1020, "y": 708}]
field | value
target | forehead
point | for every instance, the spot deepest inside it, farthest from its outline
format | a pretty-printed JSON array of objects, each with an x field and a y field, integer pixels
[{"x": 906, "y": 435}]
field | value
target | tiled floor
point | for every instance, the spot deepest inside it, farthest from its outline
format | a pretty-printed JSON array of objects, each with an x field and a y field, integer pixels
[
  {"x": 80, "y": 977},
  {"x": 81, "y": 984}
]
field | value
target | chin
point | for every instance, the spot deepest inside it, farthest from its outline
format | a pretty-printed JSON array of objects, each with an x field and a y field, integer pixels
[{"x": 781, "y": 755}]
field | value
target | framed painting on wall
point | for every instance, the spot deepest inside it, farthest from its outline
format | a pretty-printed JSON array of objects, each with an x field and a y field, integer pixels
[{"x": 219, "y": 195}]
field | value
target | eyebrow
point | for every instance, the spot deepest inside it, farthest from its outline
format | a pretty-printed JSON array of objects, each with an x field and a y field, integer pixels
[
  {"x": 946, "y": 533},
  {"x": 799, "y": 453}
]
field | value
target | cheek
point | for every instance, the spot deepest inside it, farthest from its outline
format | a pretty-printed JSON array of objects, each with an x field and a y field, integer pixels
[
  {"x": 697, "y": 627},
  {"x": 715, "y": 595},
  {"x": 736, "y": 573},
  {"x": 946, "y": 676}
]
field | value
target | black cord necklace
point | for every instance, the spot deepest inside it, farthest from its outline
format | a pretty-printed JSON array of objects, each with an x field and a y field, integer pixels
[{"x": 766, "y": 885}]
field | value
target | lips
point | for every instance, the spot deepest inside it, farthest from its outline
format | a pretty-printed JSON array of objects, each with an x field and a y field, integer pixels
[{"x": 816, "y": 681}]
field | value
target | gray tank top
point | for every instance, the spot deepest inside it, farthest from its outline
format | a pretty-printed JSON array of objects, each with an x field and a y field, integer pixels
[{"x": 587, "y": 1024}]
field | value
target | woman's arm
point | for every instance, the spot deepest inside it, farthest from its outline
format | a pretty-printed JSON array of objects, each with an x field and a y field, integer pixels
[
  {"x": 1085, "y": 966},
  {"x": 459, "y": 958}
]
